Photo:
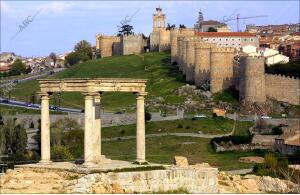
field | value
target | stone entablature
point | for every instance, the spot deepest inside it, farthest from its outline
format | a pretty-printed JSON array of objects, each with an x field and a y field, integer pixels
[
  {"x": 92, "y": 85},
  {"x": 92, "y": 90}
]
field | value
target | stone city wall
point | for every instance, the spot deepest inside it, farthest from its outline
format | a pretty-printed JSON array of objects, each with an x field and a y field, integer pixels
[
  {"x": 132, "y": 44},
  {"x": 283, "y": 88},
  {"x": 202, "y": 62},
  {"x": 154, "y": 41},
  {"x": 252, "y": 79},
  {"x": 174, "y": 35},
  {"x": 221, "y": 69},
  {"x": 106, "y": 45},
  {"x": 164, "y": 40}
]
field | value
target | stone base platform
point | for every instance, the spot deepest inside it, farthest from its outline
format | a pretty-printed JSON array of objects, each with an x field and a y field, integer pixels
[{"x": 106, "y": 166}]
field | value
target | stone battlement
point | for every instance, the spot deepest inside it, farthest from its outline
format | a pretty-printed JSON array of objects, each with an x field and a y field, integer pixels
[
  {"x": 283, "y": 77},
  {"x": 222, "y": 50},
  {"x": 204, "y": 45}
]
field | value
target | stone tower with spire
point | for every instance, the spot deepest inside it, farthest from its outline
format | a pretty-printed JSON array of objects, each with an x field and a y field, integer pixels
[{"x": 159, "y": 20}]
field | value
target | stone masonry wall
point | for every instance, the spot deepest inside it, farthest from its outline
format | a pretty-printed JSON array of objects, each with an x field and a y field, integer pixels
[
  {"x": 252, "y": 79},
  {"x": 132, "y": 44},
  {"x": 221, "y": 69},
  {"x": 202, "y": 63},
  {"x": 174, "y": 34},
  {"x": 283, "y": 88},
  {"x": 178, "y": 57},
  {"x": 183, "y": 59},
  {"x": 154, "y": 41},
  {"x": 164, "y": 40},
  {"x": 106, "y": 45},
  {"x": 190, "y": 59},
  {"x": 203, "y": 180}
]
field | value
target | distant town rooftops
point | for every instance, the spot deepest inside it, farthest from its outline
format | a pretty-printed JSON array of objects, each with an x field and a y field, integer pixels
[
  {"x": 225, "y": 34},
  {"x": 211, "y": 22}
]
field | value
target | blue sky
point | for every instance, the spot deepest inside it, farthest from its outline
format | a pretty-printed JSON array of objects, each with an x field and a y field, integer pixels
[{"x": 61, "y": 24}]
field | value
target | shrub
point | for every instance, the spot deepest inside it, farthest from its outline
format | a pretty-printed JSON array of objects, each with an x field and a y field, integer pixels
[
  {"x": 187, "y": 127},
  {"x": 123, "y": 132},
  {"x": 148, "y": 116},
  {"x": 59, "y": 153},
  {"x": 277, "y": 130},
  {"x": 179, "y": 126}
]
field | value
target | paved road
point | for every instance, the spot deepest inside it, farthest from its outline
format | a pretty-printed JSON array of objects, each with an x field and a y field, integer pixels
[
  {"x": 21, "y": 104},
  {"x": 210, "y": 136},
  {"x": 34, "y": 77}
]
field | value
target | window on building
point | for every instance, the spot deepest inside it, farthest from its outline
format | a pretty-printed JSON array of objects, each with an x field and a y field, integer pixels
[
  {"x": 245, "y": 39},
  {"x": 251, "y": 39},
  {"x": 232, "y": 39},
  {"x": 220, "y": 39},
  {"x": 226, "y": 39}
]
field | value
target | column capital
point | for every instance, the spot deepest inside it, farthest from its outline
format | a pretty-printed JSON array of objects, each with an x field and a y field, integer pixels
[
  {"x": 143, "y": 93},
  {"x": 43, "y": 95},
  {"x": 90, "y": 94}
]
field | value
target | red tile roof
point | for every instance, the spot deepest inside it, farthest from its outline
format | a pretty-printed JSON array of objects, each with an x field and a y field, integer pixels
[
  {"x": 210, "y": 22},
  {"x": 225, "y": 34},
  {"x": 4, "y": 68}
]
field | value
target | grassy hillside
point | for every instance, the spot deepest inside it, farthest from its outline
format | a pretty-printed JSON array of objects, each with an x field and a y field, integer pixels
[{"x": 162, "y": 79}]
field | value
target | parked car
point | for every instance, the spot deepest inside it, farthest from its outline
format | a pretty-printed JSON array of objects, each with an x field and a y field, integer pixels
[
  {"x": 53, "y": 107},
  {"x": 29, "y": 104},
  {"x": 266, "y": 117},
  {"x": 200, "y": 116},
  {"x": 15, "y": 81}
]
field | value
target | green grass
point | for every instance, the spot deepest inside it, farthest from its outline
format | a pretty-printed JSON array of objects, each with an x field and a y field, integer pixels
[
  {"x": 207, "y": 126},
  {"x": 163, "y": 79},
  {"x": 229, "y": 95},
  {"x": 163, "y": 149}
]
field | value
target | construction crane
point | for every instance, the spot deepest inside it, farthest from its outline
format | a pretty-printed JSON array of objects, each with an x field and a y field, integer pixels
[{"x": 238, "y": 18}]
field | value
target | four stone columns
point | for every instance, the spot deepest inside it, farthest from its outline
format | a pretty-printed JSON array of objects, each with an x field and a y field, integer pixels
[
  {"x": 45, "y": 128},
  {"x": 140, "y": 127},
  {"x": 92, "y": 129}
]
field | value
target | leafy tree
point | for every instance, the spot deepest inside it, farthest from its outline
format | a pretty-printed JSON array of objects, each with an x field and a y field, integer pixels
[
  {"x": 212, "y": 29},
  {"x": 37, "y": 136},
  {"x": 15, "y": 136},
  {"x": 72, "y": 58},
  {"x": 288, "y": 69},
  {"x": 53, "y": 57},
  {"x": 84, "y": 49},
  {"x": 181, "y": 26},
  {"x": 126, "y": 29},
  {"x": 18, "y": 67},
  {"x": 170, "y": 27}
]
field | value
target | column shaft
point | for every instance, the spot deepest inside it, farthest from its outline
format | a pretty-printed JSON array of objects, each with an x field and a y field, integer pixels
[
  {"x": 88, "y": 129},
  {"x": 45, "y": 129},
  {"x": 97, "y": 129},
  {"x": 140, "y": 129}
]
